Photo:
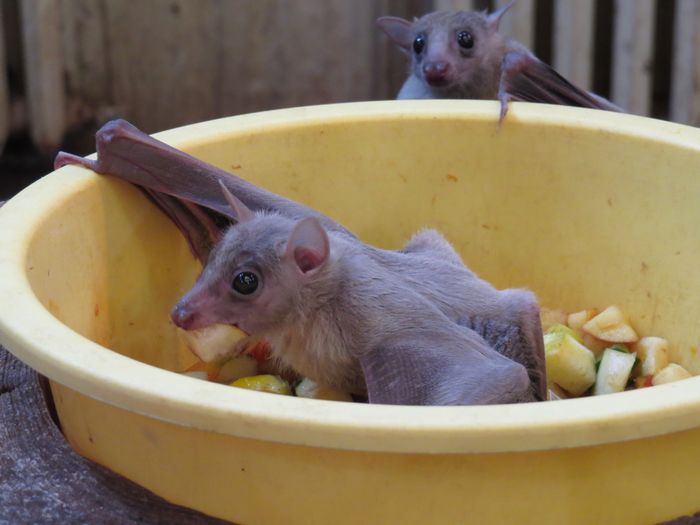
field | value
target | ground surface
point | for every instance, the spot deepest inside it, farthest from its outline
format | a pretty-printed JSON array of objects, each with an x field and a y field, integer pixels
[{"x": 42, "y": 480}]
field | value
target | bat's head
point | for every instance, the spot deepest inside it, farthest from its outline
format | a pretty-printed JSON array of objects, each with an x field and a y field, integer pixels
[
  {"x": 255, "y": 275},
  {"x": 455, "y": 53}
]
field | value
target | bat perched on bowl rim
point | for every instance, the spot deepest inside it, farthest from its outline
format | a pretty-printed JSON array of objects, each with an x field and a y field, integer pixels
[{"x": 462, "y": 54}]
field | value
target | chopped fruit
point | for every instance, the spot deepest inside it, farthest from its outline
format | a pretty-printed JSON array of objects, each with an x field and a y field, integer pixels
[
  {"x": 554, "y": 392},
  {"x": 214, "y": 342},
  {"x": 311, "y": 389},
  {"x": 653, "y": 351},
  {"x": 614, "y": 371},
  {"x": 576, "y": 320},
  {"x": 643, "y": 382},
  {"x": 563, "y": 329},
  {"x": 569, "y": 364},
  {"x": 612, "y": 326},
  {"x": 264, "y": 383},
  {"x": 236, "y": 368},
  {"x": 549, "y": 317},
  {"x": 671, "y": 373},
  {"x": 594, "y": 344},
  {"x": 225, "y": 370}
]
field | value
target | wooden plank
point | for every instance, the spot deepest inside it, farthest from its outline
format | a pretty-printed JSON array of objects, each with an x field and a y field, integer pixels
[
  {"x": 685, "y": 84},
  {"x": 455, "y": 5},
  {"x": 86, "y": 68},
  {"x": 4, "y": 91},
  {"x": 519, "y": 22},
  {"x": 43, "y": 72},
  {"x": 632, "y": 55},
  {"x": 306, "y": 72},
  {"x": 160, "y": 57},
  {"x": 187, "y": 61},
  {"x": 573, "y": 40}
]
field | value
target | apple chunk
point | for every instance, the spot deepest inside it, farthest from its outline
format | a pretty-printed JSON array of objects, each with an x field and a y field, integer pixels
[
  {"x": 612, "y": 326},
  {"x": 670, "y": 374},
  {"x": 214, "y": 342},
  {"x": 653, "y": 351}
]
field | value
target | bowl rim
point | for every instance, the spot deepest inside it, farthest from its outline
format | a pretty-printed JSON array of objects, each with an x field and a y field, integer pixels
[{"x": 74, "y": 361}]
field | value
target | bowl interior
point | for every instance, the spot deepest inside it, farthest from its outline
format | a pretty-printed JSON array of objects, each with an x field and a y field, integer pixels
[{"x": 585, "y": 208}]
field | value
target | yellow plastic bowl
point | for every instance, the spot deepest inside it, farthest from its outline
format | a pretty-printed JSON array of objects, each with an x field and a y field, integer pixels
[{"x": 586, "y": 208}]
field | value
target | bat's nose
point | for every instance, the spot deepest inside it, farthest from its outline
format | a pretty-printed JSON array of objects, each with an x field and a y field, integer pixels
[
  {"x": 183, "y": 316},
  {"x": 436, "y": 72}
]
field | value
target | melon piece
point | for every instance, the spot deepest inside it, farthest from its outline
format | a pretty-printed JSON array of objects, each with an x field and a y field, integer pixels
[
  {"x": 614, "y": 371},
  {"x": 569, "y": 364},
  {"x": 561, "y": 328}
]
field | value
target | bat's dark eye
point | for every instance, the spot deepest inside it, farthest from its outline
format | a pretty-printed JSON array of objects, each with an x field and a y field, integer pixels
[
  {"x": 245, "y": 283},
  {"x": 465, "y": 39},
  {"x": 419, "y": 44}
]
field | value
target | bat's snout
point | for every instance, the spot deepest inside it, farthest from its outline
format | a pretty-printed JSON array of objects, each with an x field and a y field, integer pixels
[
  {"x": 184, "y": 316},
  {"x": 436, "y": 73}
]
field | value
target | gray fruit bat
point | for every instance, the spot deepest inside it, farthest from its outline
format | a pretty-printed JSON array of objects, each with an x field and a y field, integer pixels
[
  {"x": 413, "y": 326},
  {"x": 461, "y": 54}
]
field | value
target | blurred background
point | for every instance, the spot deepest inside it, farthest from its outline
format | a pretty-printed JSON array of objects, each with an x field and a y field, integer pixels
[{"x": 68, "y": 66}]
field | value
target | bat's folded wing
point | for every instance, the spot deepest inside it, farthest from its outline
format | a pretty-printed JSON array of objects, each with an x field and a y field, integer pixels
[
  {"x": 525, "y": 78},
  {"x": 187, "y": 189},
  {"x": 454, "y": 366}
]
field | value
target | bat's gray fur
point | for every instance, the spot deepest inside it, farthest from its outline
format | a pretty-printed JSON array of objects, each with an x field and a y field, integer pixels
[
  {"x": 359, "y": 305},
  {"x": 444, "y": 69}
]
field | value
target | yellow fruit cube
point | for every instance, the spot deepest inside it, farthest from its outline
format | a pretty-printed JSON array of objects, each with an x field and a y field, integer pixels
[
  {"x": 264, "y": 383},
  {"x": 569, "y": 364}
]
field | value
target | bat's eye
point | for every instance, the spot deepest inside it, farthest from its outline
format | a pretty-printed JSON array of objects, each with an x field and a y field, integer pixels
[
  {"x": 245, "y": 283},
  {"x": 419, "y": 44},
  {"x": 465, "y": 39}
]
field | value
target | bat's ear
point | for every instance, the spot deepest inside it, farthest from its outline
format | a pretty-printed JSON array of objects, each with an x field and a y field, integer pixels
[
  {"x": 398, "y": 30},
  {"x": 308, "y": 246},
  {"x": 240, "y": 211},
  {"x": 494, "y": 19}
]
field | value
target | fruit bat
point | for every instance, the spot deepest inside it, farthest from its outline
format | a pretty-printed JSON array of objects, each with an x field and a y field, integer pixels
[
  {"x": 413, "y": 326},
  {"x": 462, "y": 55}
]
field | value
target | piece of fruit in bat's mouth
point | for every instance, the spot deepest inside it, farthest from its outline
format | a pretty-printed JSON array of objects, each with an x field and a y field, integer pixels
[{"x": 215, "y": 342}]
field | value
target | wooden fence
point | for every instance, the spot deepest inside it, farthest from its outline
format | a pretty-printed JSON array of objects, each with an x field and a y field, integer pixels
[{"x": 163, "y": 63}]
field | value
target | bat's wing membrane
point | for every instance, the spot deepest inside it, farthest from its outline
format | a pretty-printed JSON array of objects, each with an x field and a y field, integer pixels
[
  {"x": 525, "y": 78},
  {"x": 454, "y": 366},
  {"x": 169, "y": 175},
  {"x": 173, "y": 180},
  {"x": 511, "y": 341}
]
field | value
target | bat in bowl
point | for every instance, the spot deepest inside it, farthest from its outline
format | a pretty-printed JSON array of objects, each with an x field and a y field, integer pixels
[{"x": 413, "y": 326}]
